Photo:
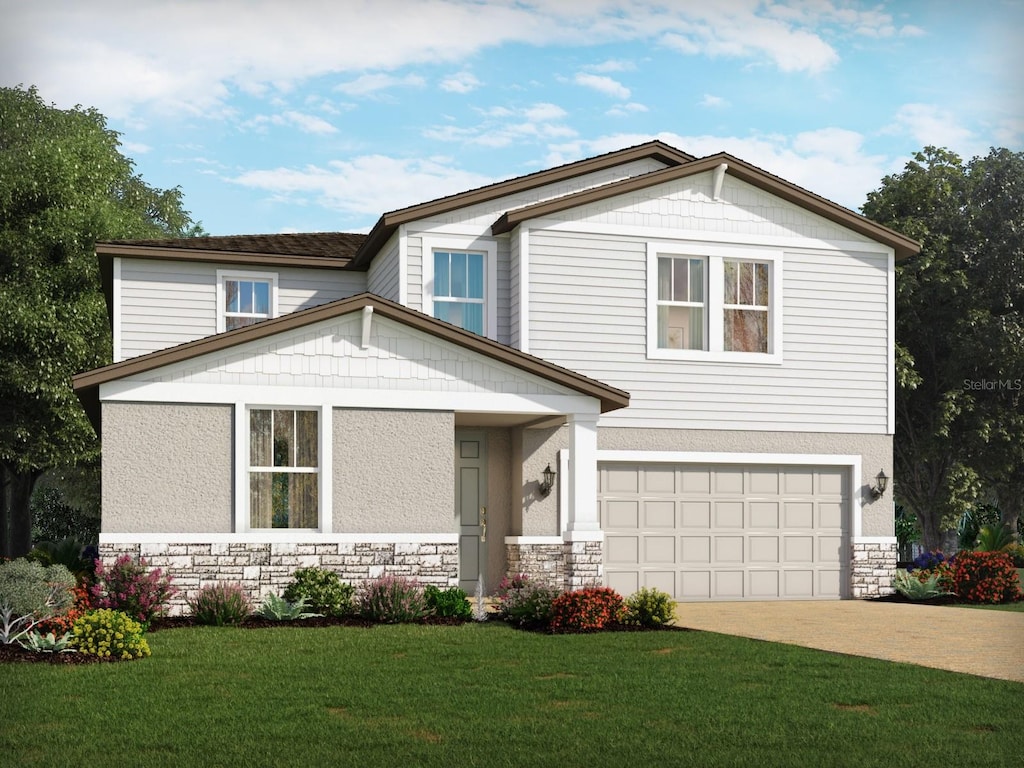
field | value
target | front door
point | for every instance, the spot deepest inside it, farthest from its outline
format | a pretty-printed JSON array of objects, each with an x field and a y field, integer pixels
[{"x": 470, "y": 506}]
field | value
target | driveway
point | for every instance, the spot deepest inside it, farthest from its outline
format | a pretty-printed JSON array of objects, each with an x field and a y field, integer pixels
[{"x": 969, "y": 640}]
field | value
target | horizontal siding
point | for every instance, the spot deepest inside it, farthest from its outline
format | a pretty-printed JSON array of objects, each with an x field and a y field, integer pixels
[
  {"x": 383, "y": 276},
  {"x": 414, "y": 272},
  {"x": 833, "y": 375},
  {"x": 514, "y": 339},
  {"x": 165, "y": 303},
  {"x": 503, "y": 299}
]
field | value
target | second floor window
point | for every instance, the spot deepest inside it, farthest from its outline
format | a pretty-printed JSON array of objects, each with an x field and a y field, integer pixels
[
  {"x": 681, "y": 308},
  {"x": 245, "y": 298},
  {"x": 746, "y": 306},
  {"x": 459, "y": 280}
]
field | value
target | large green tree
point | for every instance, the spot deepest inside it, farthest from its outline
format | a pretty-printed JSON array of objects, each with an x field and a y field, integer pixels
[
  {"x": 959, "y": 333},
  {"x": 64, "y": 184}
]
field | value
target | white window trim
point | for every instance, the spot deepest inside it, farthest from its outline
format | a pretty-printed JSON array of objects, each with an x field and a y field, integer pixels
[
  {"x": 714, "y": 255},
  {"x": 325, "y": 462},
  {"x": 232, "y": 274},
  {"x": 489, "y": 248}
]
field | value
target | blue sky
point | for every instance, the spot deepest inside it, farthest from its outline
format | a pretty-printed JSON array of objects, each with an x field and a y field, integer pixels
[{"x": 320, "y": 116}]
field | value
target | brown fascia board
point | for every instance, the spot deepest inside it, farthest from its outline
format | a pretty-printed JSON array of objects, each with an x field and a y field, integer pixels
[
  {"x": 87, "y": 384},
  {"x": 903, "y": 246},
  {"x": 387, "y": 223}
]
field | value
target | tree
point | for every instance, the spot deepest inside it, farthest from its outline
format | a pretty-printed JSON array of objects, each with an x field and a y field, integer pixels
[
  {"x": 960, "y": 348},
  {"x": 64, "y": 184}
]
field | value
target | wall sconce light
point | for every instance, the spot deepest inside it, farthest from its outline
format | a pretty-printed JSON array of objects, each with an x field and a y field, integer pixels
[
  {"x": 882, "y": 481},
  {"x": 548, "y": 482}
]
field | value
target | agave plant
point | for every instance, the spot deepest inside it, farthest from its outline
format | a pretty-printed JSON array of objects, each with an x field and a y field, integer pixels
[
  {"x": 48, "y": 643},
  {"x": 276, "y": 608},
  {"x": 913, "y": 588}
]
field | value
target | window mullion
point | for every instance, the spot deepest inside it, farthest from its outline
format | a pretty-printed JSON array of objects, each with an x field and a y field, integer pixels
[{"x": 716, "y": 305}]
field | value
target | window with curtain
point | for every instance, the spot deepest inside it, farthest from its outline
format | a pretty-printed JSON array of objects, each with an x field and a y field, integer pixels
[
  {"x": 745, "y": 306},
  {"x": 459, "y": 281},
  {"x": 283, "y": 468},
  {"x": 681, "y": 309}
]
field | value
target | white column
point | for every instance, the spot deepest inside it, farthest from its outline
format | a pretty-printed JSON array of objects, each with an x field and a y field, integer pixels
[{"x": 583, "y": 521}]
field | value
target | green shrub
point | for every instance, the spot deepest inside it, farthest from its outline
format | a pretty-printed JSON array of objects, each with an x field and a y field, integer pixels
[
  {"x": 449, "y": 603},
  {"x": 985, "y": 577},
  {"x": 392, "y": 600},
  {"x": 1016, "y": 553},
  {"x": 220, "y": 605},
  {"x": 69, "y": 552},
  {"x": 110, "y": 634},
  {"x": 993, "y": 538},
  {"x": 133, "y": 588},
  {"x": 30, "y": 589},
  {"x": 586, "y": 610},
  {"x": 650, "y": 608},
  {"x": 48, "y": 643},
  {"x": 915, "y": 586},
  {"x": 322, "y": 590},
  {"x": 526, "y": 603},
  {"x": 276, "y": 608}
]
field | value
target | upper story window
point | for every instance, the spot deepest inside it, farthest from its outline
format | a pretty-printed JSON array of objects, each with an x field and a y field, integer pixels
[
  {"x": 283, "y": 468},
  {"x": 460, "y": 283},
  {"x": 714, "y": 302},
  {"x": 244, "y": 298}
]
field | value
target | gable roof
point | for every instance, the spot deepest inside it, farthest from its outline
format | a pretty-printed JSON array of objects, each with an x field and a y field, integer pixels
[
  {"x": 901, "y": 244},
  {"x": 87, "y": 384},
  {"x": 389, "y": 222}
]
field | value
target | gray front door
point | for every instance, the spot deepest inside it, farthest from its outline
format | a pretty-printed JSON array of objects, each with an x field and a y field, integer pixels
[{"x": 470, "y": 505}]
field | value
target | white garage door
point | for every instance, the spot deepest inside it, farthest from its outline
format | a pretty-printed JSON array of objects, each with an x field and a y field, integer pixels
[{"x": 725, "y": 532}]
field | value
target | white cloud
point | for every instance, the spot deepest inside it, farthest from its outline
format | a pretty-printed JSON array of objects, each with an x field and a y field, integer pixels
[
  {"x": 371, "y": 83},
  {"x": 622, "y": 110},
  {"x": 135, "y": 147},
  {"x": 930, "y": 125},
  {"x": 364, "y": 186},
  {"x": 612, "y": 65},
  {"x": 504, "y": 127},
  {"x": 713, "y": 102},
  {"x": 544, "y": 112},
  {"x": 602, "y": 84},
  {"x": 461, "y": 82},
  {"x": 305, "y": 123}
]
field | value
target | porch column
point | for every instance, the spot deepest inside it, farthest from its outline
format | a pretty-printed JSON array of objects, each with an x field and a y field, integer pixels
[{"x": 582, "y": 515}]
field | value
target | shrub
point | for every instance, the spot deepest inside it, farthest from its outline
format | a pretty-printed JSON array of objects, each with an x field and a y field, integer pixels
[
  {"x": 69, "y": 552},
  {"x": 392, "y": 600},
  {"x": 527, "y": 605},
  {"x": 61, "y": 623},
  {"x": 30, "y": 589},
  {"x": 913, "y": 587},
  {"x": 276, "y": 608},
  {"x": 649, "y": 608},
  {"x": 48, "y": 643},
  {"x": 993, "y": 538},
  {"x": 128, "y": 586},
  {"x": 220, "y": 604},
  {"x": 110, "y": 634},
  {"x": 585, "y": 610},
  {"x": 926, "y": 561},
  {"x": 985, "y": 577},
  {"x": 1016, "y": 553},
  {"x": 322, "y": 590},
  {"x": 930, "y": 564},
  {"x": 449, "y": 603}
]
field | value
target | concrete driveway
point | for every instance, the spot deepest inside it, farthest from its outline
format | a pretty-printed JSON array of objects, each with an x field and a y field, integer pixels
[{"x": 970, "y": 640}]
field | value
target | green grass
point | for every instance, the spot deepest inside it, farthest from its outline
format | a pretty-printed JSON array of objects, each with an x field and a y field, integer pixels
[
  {"x": 487, "y": 695},
  {"x": 1018, "y": 606}
]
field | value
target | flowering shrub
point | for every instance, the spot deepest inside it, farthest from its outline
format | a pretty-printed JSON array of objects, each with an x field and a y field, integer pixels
[
  {"x": 525, "y": 603},
  {"x": 323, "y": 591},
  {"x": 129, "y": 587},
  {"x": 449, "y": 603},
  {"x": 110, "y": 634},
  {"x": 513, "y": 582},
  {"x": 985, "y": 577},
  {"x": 392, "y": 600},
  {"x": 62, "y": 623},
  {"x": 586, "y": 609},
  {"x": 929, "y": 564},
  {"x": 1016, "y": 553},
  {"x": 220, "y": 604},
  {"x": 649, "y": 608}
]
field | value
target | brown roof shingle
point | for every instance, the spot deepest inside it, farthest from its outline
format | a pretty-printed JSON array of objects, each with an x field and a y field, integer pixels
[{"x": 338, "y": 245}]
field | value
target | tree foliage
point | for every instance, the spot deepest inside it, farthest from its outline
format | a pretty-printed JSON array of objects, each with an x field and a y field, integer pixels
[
  {"x": 64, "y": 184},
  {"x": 960, "y": 334}
]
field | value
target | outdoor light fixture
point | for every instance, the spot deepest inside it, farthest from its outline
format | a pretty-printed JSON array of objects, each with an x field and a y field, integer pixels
[
  {"x": 548, "y": 481},
  {"x": 883, "y": 482}
]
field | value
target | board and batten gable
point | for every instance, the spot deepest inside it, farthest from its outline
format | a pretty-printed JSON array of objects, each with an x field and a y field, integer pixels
[
  {"x": 835, "y": 369},
  {"x": 163, "y": 303}
]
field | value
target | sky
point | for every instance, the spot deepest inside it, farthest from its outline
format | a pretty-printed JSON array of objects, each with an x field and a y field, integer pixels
[{"x": 320, "y": 115}]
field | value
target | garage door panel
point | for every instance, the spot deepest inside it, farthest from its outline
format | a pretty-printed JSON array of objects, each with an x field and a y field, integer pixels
[{"x": 712, "y": 532}]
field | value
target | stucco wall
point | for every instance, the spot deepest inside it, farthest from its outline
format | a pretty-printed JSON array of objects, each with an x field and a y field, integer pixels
[
  {"x": 393, "y": 471},
  {"x": 166, "y": 468},
  {"x": 540, "y": 448},
  {"x": 875, "y": 450}
]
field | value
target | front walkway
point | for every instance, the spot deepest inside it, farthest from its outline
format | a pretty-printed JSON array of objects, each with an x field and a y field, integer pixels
[{"x": 970, "y": 640}]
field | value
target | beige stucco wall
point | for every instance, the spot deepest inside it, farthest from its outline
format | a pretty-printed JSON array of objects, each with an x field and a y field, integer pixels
[
  {"x": 875, "y": 450},
  {"x": 167, "y": 468},
  {"x": 539, "y": 448},
  {"x": 393, "y": 471}
]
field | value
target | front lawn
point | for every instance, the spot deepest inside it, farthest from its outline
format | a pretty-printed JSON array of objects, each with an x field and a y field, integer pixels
[{"x": 489, "y": 695}]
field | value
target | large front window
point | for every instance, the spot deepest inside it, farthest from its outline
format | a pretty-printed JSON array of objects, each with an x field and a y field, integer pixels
[
  {"x": 459, "y": 280},
  {"x": 283, "y": 468}
]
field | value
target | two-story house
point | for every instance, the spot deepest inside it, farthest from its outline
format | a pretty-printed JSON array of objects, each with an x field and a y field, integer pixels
[{"x": 639, "y": 369}]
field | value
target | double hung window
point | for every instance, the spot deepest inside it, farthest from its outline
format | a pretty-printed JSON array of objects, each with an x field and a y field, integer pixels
[
  {"x": 459, "y": 289},
  {"x": 283, "y": 468},
  {"x": 244, "y": 299}
]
